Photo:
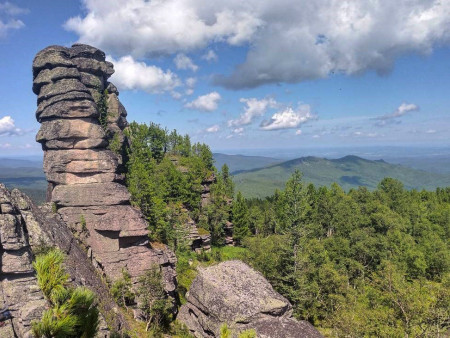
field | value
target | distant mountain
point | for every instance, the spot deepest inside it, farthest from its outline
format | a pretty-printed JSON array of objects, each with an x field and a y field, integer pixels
[
  {"x": 349, "y": 172},
  {"x": 32, "y": 162},
  {"x": 26, "y": 175},
  {"x": 238, "y": 163}
]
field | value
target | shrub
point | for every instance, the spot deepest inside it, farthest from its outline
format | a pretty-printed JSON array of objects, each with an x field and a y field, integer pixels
[
  {"x": 121, "y": 290},
  {"x": 73, "y": 312}
]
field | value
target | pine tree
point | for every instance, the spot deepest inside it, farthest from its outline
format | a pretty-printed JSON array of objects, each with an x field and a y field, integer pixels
[{"x": 240, "y": 219}]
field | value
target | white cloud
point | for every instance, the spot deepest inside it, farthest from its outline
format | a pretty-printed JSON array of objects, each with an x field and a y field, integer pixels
[
  {"x": 210, "y": 56},
  {"x": 158, "y": 27},
  {"x": 288, "y": 118},
  {"x": 298, "y": 132},
  {"x": 8, "y": 20},
  {"x": 131, "y": 74},
  {"x": 291, "y": 40},
  {"x": 208, "y": 102},
  {"x": 184, "y": 62},
  {"x": 213, "y": 129},
  {"x": 403, "y": 109},
  {"x": 190, "y": 84},
  {"x": 253, "y": 108},
  {"x": 8, "y": 127},
  {"x": 431, "y": 131},
  {"x": 238, "y": 131}
]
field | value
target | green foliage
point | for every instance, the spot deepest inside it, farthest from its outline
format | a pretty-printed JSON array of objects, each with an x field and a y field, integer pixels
[
  {"x": 153, "y": 301},
  {"x": 349, "y": 172},
  {"x": 121, "y": 290},
  {"x": 359, "y": 263},
  {"x": 225, "y": 332},
  {"x": 114, "y": 144},
  {"x": 165, "y": 175},
  {"x": 102, "y": 107},
  {"x": 54, "y": 208},
  {"x": 251, "y": 333},
  {"x": 240, "y": 219},
  {"x": 83, "y": 223},
  {"x": 73, "y": 312},
  {"x": 50, "y": 273}
]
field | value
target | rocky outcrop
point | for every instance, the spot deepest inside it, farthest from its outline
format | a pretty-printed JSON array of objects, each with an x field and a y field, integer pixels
[
  {"x": 24, "y": 229},
  {"x": 232, "y": 293},
  {"x": 19, "y": 292},
  {"x": 81, "y": 120}
]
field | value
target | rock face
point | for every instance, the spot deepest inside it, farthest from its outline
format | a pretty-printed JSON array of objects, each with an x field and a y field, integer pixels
[
  {"x": 25, "y": 228},
  {"x": 81, "y": 120},
  {"x": 19, "y": 291},
  {"x": 232, "y": 293}
]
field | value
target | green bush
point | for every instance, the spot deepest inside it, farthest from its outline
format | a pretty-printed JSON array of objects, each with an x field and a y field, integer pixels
[
  {"x": 121, "y": 290},
  {"x": 73, "y": 312}
]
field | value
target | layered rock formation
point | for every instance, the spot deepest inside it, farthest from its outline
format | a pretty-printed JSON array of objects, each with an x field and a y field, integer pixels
[
  {"x": 19, "y": 292},
  {"x": 81, "y": 120},
  {"x": 232, "y": 293},
  {"x": 24, "y": 229}
]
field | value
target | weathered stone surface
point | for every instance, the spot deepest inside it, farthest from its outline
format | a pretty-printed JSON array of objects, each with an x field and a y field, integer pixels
[
  {"x": 81, "y": 195},
  {"x": 86, "y": 161},
  {"x": 86, "y": 51},
  {"x": 93, "y": 81},
  {"x": 88, "y": 65},
  {"x": 19, "y": 292},
  {"x": 61, "y": 87},
  {"x": 11, "y": 234},
  {"x": 51, "y": 57},
  {"x": 67, "y": 98},
  {"x": 48, "y": 76},
  {"x": 69, "y": 129},
  {"x": 64, "y": 109},
  {"x": 85, "y": 177},
  {"x": 76, "y": 143},
  {"x": 233, "y": 293}
]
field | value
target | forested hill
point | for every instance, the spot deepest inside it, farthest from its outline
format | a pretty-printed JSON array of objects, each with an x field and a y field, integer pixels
[
  {"x": 239, "y": 163},
  {"x": 349, "y": 172}
]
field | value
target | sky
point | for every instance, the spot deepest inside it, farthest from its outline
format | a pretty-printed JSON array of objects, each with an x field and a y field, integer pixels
[{"x": 255, "y": 74}]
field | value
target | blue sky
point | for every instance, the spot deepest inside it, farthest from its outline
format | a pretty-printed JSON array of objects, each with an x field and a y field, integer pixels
[{"x": 254, "y": 75}]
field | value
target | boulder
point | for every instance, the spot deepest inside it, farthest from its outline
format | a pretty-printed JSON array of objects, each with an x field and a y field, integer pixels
[{"x": 233, "y": 293}]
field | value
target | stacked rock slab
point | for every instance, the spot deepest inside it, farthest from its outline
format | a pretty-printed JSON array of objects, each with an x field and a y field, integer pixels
[
  {"x": 233, "y": 293},
  {"x": 19, "y": 292},
  {"x": 80, "y": 115}
]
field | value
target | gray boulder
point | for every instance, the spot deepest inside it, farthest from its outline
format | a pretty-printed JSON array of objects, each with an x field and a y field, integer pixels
[{"x": 233, "y": 293}]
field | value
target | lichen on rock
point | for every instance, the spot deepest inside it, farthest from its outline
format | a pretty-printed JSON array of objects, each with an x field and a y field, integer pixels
[{"x": 234, "y": 294}]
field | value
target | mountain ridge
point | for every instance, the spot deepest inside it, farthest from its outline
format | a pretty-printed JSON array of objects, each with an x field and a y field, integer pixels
[{"x": 349, "y": 171}]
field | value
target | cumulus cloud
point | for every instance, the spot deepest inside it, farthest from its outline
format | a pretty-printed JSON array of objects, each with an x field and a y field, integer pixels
[
  {"x": 207, "y": 103},
  {"x": 403, "y": 109},
  {"x": 184, "y": 62},
  {"x": 210, "y": 56},
  {"x": 131, "y": 74},
  {"x": 8, "y": 17},
  {"x": 298, "y": 132},
  {"x": 288, "y": 118},
  {"x": 253, "y": 108},
  {"x": 291, "y": 40},
  {"x": 149, "y": 28},
  {"x": 8, "y": 127},
  {"x": 213, "y": 129}
]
